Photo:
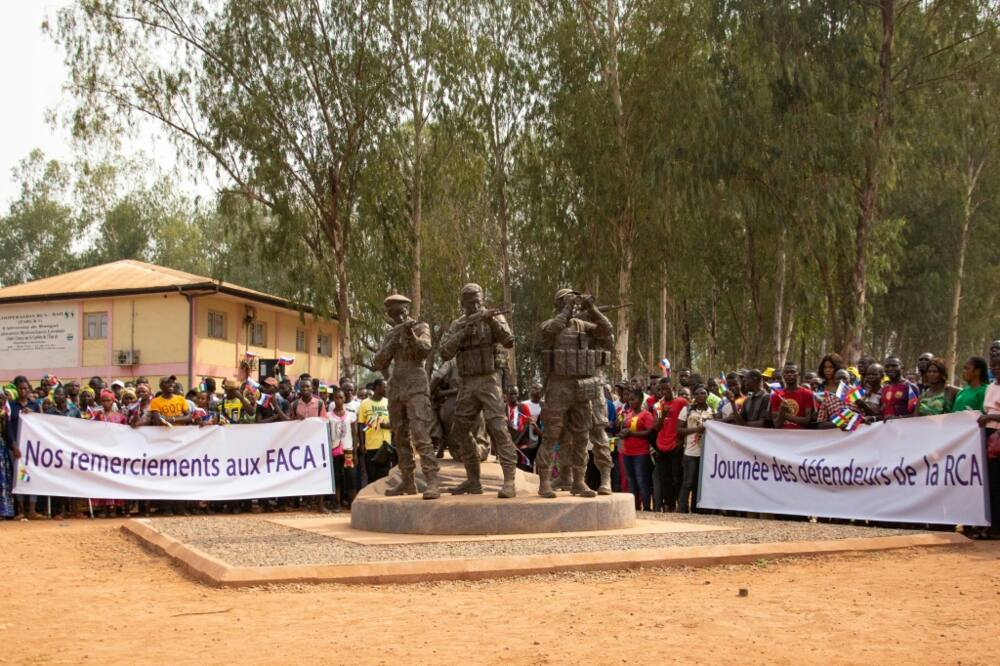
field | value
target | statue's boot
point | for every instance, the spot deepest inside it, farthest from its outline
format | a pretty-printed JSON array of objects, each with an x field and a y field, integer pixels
[
  {"x": 565, "y": 478},
  {"x": 431, "y": 492},
  {"x": 508, "y": 490},
  {"x": 406, "y": 486},
  {"x": 472, "y": 484},
  {"x": 580, "y": 488},
  {"x": 605, "y": 487},
  {"x": 545, "y": 484}
]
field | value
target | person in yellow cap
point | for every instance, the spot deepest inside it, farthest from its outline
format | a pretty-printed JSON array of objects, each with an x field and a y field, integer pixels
[{"x": 405, "y": 349}]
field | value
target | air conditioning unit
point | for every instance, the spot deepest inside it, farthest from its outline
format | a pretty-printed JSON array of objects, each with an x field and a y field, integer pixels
[{"x": 127, "y": 356}]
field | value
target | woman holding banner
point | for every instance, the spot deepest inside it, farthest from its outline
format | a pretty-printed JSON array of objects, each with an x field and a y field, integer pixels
[
  {"x": 937, "y": 397},
  {"x": 972, "y": 395}
]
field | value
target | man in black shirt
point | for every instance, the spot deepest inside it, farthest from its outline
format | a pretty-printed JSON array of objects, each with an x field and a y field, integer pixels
[{"x": 755, "y": 411}]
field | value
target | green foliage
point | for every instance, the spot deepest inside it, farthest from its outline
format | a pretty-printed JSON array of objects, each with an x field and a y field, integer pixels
[{"x": 718, "y": 153}]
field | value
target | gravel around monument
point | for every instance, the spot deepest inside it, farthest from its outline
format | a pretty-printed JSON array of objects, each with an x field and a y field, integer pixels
[{"x": 255, "y": 541}]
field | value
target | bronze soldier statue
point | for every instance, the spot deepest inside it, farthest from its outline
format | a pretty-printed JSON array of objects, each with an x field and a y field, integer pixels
[
  {"x": 406, "y": 348},
  {"x": 577, "y": 345},
  {"x": 444, "y": 397},
  {"x": 475, "y": 340}
]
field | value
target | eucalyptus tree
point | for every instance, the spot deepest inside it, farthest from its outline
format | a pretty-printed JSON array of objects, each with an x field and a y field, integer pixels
[
  {"x": 281, "y": 97},
  {"x": 492, "y": 79}
]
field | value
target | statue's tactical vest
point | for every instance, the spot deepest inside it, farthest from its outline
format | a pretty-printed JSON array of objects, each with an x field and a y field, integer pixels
[
  {"x": 479, "y": 356},
  {"x": 573, "y": 357}
]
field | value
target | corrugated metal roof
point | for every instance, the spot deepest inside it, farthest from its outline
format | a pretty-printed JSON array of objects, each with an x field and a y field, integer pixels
[{"x": 124, "y": 277}]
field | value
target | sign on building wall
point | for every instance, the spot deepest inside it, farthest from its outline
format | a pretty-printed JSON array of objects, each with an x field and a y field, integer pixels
[{"x": 39, "y": 336}]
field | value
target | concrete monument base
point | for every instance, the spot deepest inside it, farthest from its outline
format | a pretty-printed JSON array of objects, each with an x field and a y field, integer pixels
[{"x": 487, "y": 514}]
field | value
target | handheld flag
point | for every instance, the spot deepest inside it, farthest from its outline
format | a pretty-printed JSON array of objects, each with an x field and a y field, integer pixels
[
  {"x": 913, "y": 399},
  {"x": 842, "y": 391},
  {"x": 846, "y": 419},
  {"x": 665, "y": 366},
  {"x": 854, "y": 394}
]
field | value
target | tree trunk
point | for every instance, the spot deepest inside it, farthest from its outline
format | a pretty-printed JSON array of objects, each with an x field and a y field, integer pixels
[
  {"x": 343, "y": 314},
  {"x": 650, "y": 354},
  {"x": 779, "y": 300},
  {"x": 752, "y": 353},
  {"x": 868, "y": 200},
  {"x": 956, "y": 302},
  {"x": 622, "y": 321},
  {"x": 503, "y": 218},
  {"x": 416, "y": 211},
  {"x": 625, "y": 236},
  {"x": 713, "y": 330},
  {"x": 786, "y": 342},
  {"x": 686, "y": 334},
  {"x": 663, "y": 321}
]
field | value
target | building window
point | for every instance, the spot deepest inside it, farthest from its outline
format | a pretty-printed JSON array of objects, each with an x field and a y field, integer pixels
[
  {"x": 97, "y": 326},
  {"x": 217, "y": 325},
  {"x": 325, "y": 346},
  {"x": 300, "y": 340},
  {"x": 258, "y": 334}
]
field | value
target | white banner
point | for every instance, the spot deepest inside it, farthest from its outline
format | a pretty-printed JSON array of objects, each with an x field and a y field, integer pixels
[
  {"x": 68, "y": 457},
  {"x": 930, "y": 469}
]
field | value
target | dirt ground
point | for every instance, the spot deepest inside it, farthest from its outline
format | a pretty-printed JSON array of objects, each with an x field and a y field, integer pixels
[{"x": 81, "y": 592}]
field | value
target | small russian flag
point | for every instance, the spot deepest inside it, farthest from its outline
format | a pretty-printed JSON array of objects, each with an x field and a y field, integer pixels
[
  {"x": 842, "y": 390},
  {"x": 914, "y": 398}
]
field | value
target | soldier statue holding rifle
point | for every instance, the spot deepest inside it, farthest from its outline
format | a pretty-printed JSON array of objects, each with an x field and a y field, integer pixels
[
  {"x": 576, "y": 348},
  {"x": 475, "y": 340},
  {"x": 406, "y": 348}
]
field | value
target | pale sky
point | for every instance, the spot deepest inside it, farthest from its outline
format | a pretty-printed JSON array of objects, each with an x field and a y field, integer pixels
[{"x": 32, "y": 78}]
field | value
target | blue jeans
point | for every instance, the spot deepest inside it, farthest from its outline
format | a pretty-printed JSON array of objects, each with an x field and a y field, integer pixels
[{"x": 639, "y": 471}]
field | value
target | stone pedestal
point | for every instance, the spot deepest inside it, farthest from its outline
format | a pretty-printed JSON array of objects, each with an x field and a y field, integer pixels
[{"x": 487, "y": 514}]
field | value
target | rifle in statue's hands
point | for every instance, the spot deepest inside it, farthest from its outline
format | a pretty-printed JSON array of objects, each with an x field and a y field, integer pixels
[
  {"x": 604, "y": 309},
  {"x": 487, "y": 313}
]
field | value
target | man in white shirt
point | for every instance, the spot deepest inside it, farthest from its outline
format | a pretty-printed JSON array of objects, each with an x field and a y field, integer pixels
[{"x": 534, "y": 405}]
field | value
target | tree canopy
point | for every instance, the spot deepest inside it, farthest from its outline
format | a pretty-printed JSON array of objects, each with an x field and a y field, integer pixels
[{"x": 760, "y": 181}]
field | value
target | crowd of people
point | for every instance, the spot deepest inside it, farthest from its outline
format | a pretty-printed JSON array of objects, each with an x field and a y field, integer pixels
[
  {"x": 241, "y": 400},
  {"x": 655, "y": 427}
]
